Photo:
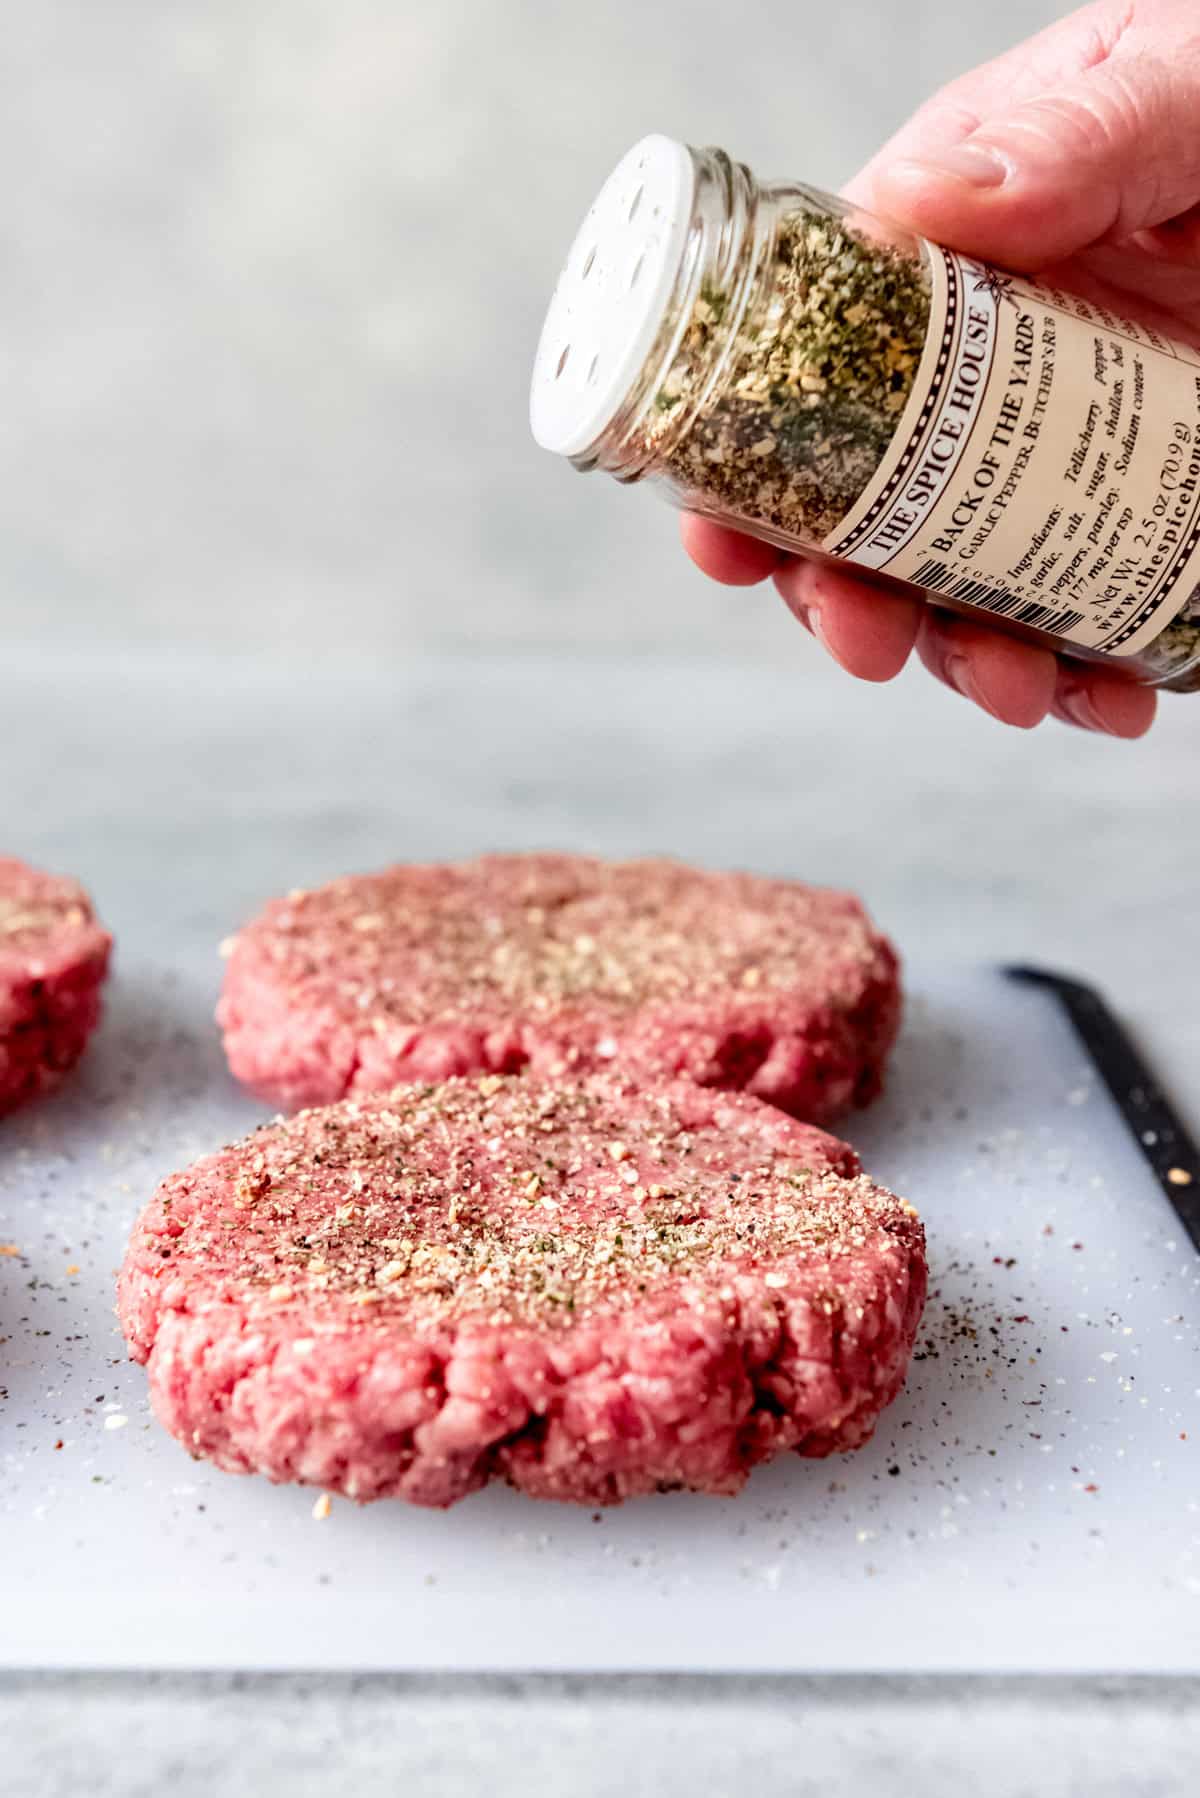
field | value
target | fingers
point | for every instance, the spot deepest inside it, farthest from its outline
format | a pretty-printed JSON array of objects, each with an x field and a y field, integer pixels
[
  {"x": 1094, "y": 699},
  {"x": 726, "y": 555},
  {"x": 1020, "y": 684},
  {"x": 869, "y": 631},
  {"x": 1084, "y": 134},
  {"x": 1034, "y": 66},
  {"x": 1059, "y": 174},
  {"x": 1012, "y": 681}
]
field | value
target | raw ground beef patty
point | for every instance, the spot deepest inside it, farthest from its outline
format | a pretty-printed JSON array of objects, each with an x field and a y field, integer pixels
[
  {"x": 53, "y": 959},
  {"x": 588, "y": 1289},
  {"x": 556, "y": 963}
]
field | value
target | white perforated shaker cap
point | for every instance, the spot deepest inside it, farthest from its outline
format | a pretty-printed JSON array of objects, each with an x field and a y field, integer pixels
[{"x": 611, "y": 295}]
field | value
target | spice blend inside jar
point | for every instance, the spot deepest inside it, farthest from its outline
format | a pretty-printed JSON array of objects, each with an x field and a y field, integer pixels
[
  {"x": 838, "y": 386},
  {"x": 815, "y": 388}
]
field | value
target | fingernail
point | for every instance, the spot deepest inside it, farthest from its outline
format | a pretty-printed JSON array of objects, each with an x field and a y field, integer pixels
[
  {"x": 818, "y": 631},
  {"x": 958, "y": 672},
  {"x": 810, "y": 618},
  {"x": 974, "y": 164},
  {"x": 1077, "y": 703}
]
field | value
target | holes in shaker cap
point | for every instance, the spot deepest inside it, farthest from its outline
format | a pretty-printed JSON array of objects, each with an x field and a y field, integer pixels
[
  {"x": 586, "y": 270},
  {"x": 635, "y": 203},
  {"x": 636, "y": 271},
  {"x": 591, "y": 373},
  {"x": 562, "y": 361}
]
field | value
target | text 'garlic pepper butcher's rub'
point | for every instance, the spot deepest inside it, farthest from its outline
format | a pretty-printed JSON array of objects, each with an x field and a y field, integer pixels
[{"x": 796, "y": 368}]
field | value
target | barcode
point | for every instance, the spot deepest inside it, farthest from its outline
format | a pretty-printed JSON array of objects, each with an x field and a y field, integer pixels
[{"x": 935, "y": 577}]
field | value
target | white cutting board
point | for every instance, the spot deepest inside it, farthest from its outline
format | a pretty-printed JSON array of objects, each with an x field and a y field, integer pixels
[{"x": 1045, "y": 1513}]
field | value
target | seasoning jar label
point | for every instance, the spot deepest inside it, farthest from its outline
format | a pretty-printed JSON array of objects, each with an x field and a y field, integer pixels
[{"x": 1047, "y": 465}]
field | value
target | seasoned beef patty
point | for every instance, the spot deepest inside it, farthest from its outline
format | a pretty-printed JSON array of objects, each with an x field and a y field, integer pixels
[
  {"x": 558, "y": 964},
  {"x": 53, "y": 959},
  {"x": 591, "y": 1289}
]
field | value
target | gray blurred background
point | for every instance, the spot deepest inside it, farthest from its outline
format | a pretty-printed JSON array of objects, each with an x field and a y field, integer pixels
[
  {"x": 272, "y": 272},
  {"x": 286, "y": 588}
]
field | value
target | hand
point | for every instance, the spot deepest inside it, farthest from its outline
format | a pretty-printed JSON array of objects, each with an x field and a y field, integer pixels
[{"x": 1077, "y": 153}]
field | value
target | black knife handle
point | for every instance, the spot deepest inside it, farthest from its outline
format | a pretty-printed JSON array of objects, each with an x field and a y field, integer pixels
[{"x": 1157, "y": 1128}]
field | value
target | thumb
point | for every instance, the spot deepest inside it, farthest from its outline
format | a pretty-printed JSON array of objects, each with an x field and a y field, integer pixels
[{"x": 1108, "y": 152}]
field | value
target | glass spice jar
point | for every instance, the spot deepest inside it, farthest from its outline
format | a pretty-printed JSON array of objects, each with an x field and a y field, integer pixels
[{"x": 797, "y": 368}]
